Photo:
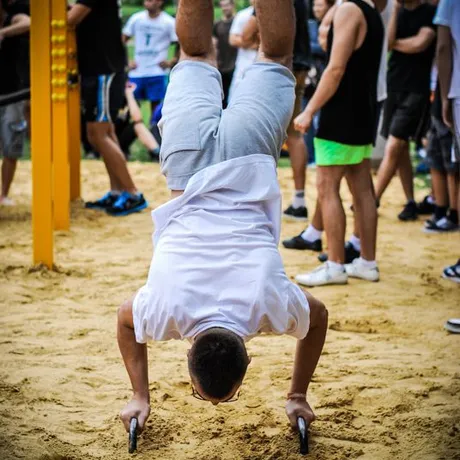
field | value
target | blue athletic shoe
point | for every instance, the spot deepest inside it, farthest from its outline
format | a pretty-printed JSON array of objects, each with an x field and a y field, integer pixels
[
  {"x": 127, "y": 203},
  {"x": 107, "y": 201}
]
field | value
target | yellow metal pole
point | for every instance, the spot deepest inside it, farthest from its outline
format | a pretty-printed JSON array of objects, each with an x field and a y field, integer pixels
[
  {"x": 41, "y": 147},
  {"x": 60, "y": 128},
  {"x": 74, "y": 116}
]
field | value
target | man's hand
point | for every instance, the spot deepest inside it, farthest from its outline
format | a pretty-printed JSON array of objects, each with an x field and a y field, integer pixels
[
  {"x": 447, "y": 113},
  {"x": 137, "y": 408},
  {"x": 303, "y": 122},
  {"x": 299, "y": 408},
  {"x": 165, "y": 64},
  {"x": 132, "y": 65}
]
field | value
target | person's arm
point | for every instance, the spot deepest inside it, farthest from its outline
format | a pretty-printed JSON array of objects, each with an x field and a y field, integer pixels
[
  {"x": 323, "y": 29},
  {"x": 393, "y": 25},
  {"x": 250, "y": 32},
  {"x": 76, "y": 14},
  {"x": 135, "y": 358},
  {"x": 142, "y": 132},
  {"x": 346, "y": 29},
  {"x": 417, "y": 43},
  {"x": 444, "y": 62},
  {"x": 307, "y": 354},
  {"x": 20, "y": 24}
]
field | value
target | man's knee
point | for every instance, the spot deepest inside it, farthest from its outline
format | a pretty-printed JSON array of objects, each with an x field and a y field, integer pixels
[
  {"x": 394, "y": 145},
  {"x": 125, "y": 314},
  {"x": 328, "y": 185},
  {"x": 96, "y": 132}
]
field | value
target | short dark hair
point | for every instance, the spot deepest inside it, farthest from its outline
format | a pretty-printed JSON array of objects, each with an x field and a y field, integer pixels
[{"x": 218, "y": 360}]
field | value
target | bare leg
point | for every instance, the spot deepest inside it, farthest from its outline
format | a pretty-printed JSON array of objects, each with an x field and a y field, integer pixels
[
  {"x": 100, "y": 137},
  {"x": 453, "y": 189},
  {"x": 8, "y": 170},
  {"x": 298, "y": 157},
  {"x": 389, "y": 165},
  {"x": 276, "y": 26},
  {"x": 194, "y": 23},
  {"x": 365, "y": 209},
  {"x": 317, "y": 221},
  {"x": 328, "y": 182},
  {"x": 406, "y": 174},
  {"x": 439, "y": 183}
]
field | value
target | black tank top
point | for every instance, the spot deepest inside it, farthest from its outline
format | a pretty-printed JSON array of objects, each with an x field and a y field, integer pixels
[{"x": 349, "y": 117}]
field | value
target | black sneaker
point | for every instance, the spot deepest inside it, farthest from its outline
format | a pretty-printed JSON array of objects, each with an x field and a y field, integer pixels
[
  {"x": 292, "y": 213},
  {"x": 127, "y": 203},
  {"x": 409, "y": 212},
  {"x": 443, "y": 225},
  {"x": 425, "y": 207},
  {"x": 350, "y": 254},
  {"x": 107, "y": 201},
  {"x": 300, "y": 243}
]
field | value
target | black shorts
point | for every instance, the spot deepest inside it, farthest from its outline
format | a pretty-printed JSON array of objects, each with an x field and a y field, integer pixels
[
  {"x": 102, "y": 96},
  {"x": 402, "y": 114},
  {"x": 440, "y": 145}
]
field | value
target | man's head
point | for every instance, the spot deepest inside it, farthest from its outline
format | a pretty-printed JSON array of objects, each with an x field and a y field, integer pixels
[
  {"x": 228, "y": 8},
  {"x": 217, "y": 364},
  {"x": 153, "y": 6},
  {"x": 321, "y": 7}
]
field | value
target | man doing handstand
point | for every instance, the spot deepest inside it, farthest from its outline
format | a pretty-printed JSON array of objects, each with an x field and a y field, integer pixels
[{"x": 216, "y": 277}]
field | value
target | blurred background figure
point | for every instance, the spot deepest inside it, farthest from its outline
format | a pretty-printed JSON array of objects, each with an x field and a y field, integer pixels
[{"x": 226, "y": 53}]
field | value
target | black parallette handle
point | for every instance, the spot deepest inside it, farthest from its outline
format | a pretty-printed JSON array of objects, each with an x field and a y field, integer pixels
[
  {"x": 303, "y": 435},
  {"x": 132, "y": 435}
]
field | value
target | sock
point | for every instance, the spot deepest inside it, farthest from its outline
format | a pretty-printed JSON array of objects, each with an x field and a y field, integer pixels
[
  {"x": 298, "y": 199},
  {"x": 453, "y": 216},
  {"x": 335, "y": 266},
  {"x": 115, "y": 192},
  {"x": 410, "y": 201},
  {"x": 439, "y": 212},
  {"x": 355, "y": 242},
  {"x": 430, "y": 199},
  {"x": 311, "y": 234},
  {"x": 368, "y": 263}
]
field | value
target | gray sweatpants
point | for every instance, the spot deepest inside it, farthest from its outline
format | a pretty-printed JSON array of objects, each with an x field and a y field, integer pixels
[
  {"x": 12, "y": 130},
  {"x": 197, "y": 132}
]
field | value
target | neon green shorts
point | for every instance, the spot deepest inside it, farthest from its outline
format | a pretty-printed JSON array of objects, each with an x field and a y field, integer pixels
[{"x": 330, "y": 153}]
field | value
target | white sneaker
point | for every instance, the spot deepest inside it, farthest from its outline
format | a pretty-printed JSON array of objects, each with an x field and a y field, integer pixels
[
  {"x": 323, "y": 275},
  {"x": 5, "y": 201},
  {"x": 358, "y": 270}
]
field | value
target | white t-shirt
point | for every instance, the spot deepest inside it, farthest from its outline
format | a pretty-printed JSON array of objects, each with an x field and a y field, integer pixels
[
  {"x": 382, "y": 79},
  {"x": 245, "y": 57},
  {"x": 152, "y": 37},
  {"x": 216, "y": 261},
  {"x": 448, "y": 15}
]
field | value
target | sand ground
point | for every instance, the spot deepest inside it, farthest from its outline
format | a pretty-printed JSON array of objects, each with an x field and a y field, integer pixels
[{"x": 387, "y": 386}]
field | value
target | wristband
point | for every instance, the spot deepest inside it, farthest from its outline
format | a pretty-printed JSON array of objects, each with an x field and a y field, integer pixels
[{"x": 297, "y": 396}]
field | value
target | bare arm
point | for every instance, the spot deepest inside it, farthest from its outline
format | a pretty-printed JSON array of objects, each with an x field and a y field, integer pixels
[
  {"x": 250, "y": 32},
  {"x": 236, "y": 40},
  {"x": 135, "y": 359},
  {"x": 346, "y": 30},
  {"x": 417, "y": 43},
  {"x": 76, "y": 14},
  {"x": 307, "y": 354},
  {"x": 324, "y": 27},
  {"x": 444, "y": 62},
  {"x": 20, "y": 24},
  {"x": 393, "y": 24}
]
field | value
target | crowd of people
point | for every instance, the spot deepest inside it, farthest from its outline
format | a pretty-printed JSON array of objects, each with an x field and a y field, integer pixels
[{"x": 334, "y": 64}]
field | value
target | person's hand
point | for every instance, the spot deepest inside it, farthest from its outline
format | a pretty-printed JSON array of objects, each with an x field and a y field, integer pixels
[
  {"x": 447, "y": 113},
  {"x": 138, "y": 408},
  {"x": 130, "y": 87},
  {"x": 132, "y": 65},
  {"x": 303, "y": 122},
  {"x": 299, "y": 408},
  {"x": 165, "y": 65}
]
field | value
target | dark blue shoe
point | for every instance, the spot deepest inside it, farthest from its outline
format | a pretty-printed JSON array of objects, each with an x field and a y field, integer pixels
[
  {"x": 107, "y": 201},
  {"x": 127, "y": 203}
]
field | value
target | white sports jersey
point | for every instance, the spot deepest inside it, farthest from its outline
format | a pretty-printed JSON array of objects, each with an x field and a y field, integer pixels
[{"x": 152, "y": 38}]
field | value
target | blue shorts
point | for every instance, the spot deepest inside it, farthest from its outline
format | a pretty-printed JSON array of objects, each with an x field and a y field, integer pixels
[{"x": 150, "y": 88}]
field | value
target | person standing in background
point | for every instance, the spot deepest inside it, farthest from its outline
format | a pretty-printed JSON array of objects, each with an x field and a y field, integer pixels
[
  {"x": 14, "y": 76},
  {"x": 247, "y": 51},
  {"x": 153, "y": 31},
  {"x": 101, "y": 63},
  {"x": 226, "y": 53}
]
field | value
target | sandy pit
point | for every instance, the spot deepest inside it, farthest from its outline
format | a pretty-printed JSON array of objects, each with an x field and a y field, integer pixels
[{"x": 387, "y": 386}]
